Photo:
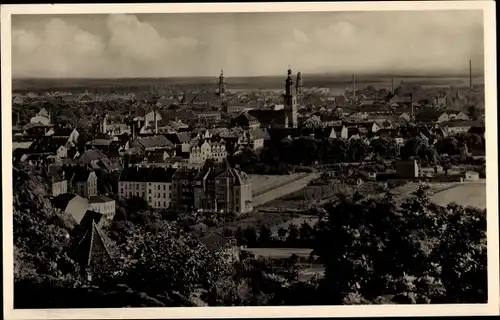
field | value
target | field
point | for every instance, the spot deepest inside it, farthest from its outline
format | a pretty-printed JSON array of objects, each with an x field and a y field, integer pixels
[
  {"x": 282, "y": 190},
  {"x": 262, "y": 182},
  {"x": 466, "y": 194}
]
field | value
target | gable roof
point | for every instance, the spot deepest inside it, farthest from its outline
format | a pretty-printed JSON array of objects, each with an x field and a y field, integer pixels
[
  {"x": 92, "y": 249},
  {"x": 152, "y": 142}
]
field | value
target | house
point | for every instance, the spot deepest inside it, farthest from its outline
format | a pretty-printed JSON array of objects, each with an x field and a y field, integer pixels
[
  {"x": 454, "y": 115},
  {"x": 204, "y": 150},
  {"x": 72, "y": 205},
  {"x": 183, "y": 182},
  {"x": 85, "y": 182},
  {"x": 56, "y": 181},
  {"x": 246, "y": 121},
  {"x": 371, "y": 127},
  {"x": 459, "y": 126},
  {"x": 471, "y": 176},
  {"x": 209, "y": 116},
  {"x": 103, "y": 205},
  {"x": 426, "y": 172},
  {"x": 269, "y": 118},
  {"x": 154, "y": 185},
  {"x": 42, "y": 117},
  {"x": 152, "y": 143},
  {"x": 223, "y": 189},
  {"x": 180, "y": 140},
  {"x": 432, "y": 116}
]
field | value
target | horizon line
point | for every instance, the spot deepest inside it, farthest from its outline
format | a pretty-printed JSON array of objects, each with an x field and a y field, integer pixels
[{"x": 343, "y": 74}]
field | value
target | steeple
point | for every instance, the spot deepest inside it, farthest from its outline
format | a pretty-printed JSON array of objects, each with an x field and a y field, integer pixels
[
  {"x": 290, "y": 101},
  {"x": 289, "y": 84},
  {"x": 222, "y": 83},
  {"x": 300, "y": 83}
]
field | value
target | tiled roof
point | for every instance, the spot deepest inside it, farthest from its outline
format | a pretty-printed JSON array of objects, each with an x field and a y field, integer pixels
[
  {"x": 72, "y": 204},
  {"x": 462, "y": 123},
  {"x": 91, "y": 248},
  {"x": 185, "y": 173},
  {"x": 140, "y": 174},
  {"x": 99, "y": 199},
  {"x": 152, "y": 142},
  {"x": 47, "y": 144}
]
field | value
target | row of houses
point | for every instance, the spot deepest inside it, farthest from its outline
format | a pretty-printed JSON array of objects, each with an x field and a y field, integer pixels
[{"x": 212, "y": 189}]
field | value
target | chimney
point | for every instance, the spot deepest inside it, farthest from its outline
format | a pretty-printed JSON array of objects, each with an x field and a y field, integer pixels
[
  {"x": 470, "y": 74},
  {"x": 353, "y": 87},
  {"x": 392, "y": 85}
]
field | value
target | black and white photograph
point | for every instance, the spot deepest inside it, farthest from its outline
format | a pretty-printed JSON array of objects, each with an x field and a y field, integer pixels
[{"x": 249, "y": 157}]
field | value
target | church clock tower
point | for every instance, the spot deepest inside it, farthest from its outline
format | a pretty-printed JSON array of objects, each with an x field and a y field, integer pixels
[{"x": 290, "y": 101}]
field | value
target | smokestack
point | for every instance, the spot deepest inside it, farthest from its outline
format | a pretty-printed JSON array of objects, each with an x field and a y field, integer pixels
[
  {"x": 392, "y": 85},
  {"x": 353, "y": 87},
  {"x": 470, "y": 74}
]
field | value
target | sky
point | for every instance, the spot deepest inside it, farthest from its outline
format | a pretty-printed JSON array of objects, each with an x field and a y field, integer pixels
[{"x": 246, "y": 44}]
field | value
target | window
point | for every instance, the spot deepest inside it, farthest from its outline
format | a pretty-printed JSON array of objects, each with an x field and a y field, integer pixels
[
  {"x": 164, "y": 187},
  {"x": 164, "y": 195},
  {"x": 149, "y": 190},
  {"x": 150, "y": 199},
  {"x": 164, "y": 204}
]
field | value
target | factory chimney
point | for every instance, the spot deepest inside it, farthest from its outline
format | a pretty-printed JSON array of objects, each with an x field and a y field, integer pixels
[
  {"x": 353, "y": 87},
  {"x": 470, "y": 74},
  {"x": 392, "y": 85}
]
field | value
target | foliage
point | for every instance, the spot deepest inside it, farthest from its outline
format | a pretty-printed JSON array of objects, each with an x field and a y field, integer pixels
[{"x": 376, "y": 250}]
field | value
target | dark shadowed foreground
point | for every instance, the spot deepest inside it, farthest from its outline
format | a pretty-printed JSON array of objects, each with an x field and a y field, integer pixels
[{"x": 373, "y": 250}]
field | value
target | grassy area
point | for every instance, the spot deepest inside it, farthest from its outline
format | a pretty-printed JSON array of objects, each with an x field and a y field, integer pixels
[
  {"x": 467, "y": 194},
  {"x": 262, "y": 182}
]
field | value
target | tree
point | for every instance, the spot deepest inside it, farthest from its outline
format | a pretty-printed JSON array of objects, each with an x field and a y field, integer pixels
[
  {"x": 293, "y": 235},
  {"x": 264, "y": 235},
  {"x": 376, "y": 250},
  {"x": 473, "y": 112},
  {"x": 282, "y": 233},
  {"x": 305, "y": 234},
  {"x": 386, "y": 148},
  {"x": 357, "y": 150},
  {"x": 169, "y": 262},
  {"x": 417, "y": 147}
]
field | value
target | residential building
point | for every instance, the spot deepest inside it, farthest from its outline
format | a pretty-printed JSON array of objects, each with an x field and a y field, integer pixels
[
  {"x": 222, "y": 189},
  {"x": 246, "y": 121},
  {"x": 154, "y": 185},
  {"x": 457, "y": 127},
  {"x": 183, "y": 188},
  {"x": 85, "y": 182},
  {"x": 103, "y": 205},
  {"x": 56, "y": 181},
  {"x": 205, "y": 150}
]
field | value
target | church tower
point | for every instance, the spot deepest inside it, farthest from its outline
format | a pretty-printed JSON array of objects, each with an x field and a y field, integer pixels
[
  {"x": 290, "y": 101},
  {"x": 300, "y": 84},
  {"x": 222, "y": 83}
]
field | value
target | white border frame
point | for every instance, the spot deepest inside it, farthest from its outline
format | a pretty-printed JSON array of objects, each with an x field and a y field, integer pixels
[{"x": 491, "y": 308}]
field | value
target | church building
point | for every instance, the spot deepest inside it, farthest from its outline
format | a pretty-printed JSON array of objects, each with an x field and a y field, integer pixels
[{"x": 286, "y": 117}]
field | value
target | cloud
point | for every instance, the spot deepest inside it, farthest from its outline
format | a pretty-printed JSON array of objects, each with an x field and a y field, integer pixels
[{"x": 247, "y": 44}]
